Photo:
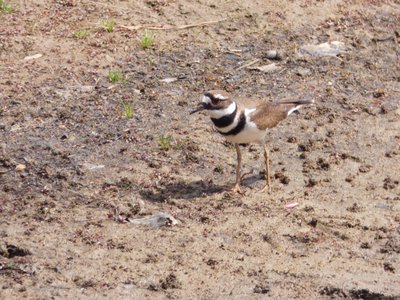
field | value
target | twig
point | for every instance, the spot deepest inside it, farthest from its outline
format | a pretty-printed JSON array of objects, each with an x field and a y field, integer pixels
[
  {"x": 383, "y": 39},
  {"x": 249, "y": 64},
  {"x": 234, "y": 52},
  {"x": 170, "y": 27},
  {"x": 116, "y": 214},
  {"x": 160, "y": 159},
  {"x": 14, "y": 268}
]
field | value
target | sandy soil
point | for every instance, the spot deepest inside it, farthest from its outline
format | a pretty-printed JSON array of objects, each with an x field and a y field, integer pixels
[{"x": 74, "y": 167}]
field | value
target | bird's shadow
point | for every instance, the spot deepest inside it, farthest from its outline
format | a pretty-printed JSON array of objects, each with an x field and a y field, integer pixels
[
  {"x": 251, "y": 179},
  {"x": 182, "y": 190},
  {"x": 192, "y": 190}
]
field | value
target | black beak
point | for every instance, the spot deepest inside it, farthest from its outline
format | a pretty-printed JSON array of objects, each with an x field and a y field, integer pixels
[{"x": 201, "y": 106}]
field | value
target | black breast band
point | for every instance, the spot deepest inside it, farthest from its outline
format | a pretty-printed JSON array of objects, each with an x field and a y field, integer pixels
[
  {"x": 239, "y": 127},
  {"x": 225, "y": 120}
]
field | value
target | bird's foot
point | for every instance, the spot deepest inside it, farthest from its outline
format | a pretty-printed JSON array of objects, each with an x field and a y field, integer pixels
[
  {"x": 266, "y": 188},
  {"x": 237, "y": 189}
]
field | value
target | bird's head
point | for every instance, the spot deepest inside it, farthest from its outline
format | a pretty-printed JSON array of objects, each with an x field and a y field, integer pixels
[{"x": 215, "y": 103}]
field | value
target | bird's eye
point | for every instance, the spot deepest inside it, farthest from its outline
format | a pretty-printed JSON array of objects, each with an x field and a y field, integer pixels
[{"x": 215, "y": 101}]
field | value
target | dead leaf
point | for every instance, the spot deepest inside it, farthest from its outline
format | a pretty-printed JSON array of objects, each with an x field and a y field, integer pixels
[
  {"x": 20, "y": 167},
  {"x": 267, "y": 68},
  {"x": 156, "y": 220},
  {"x": 325, "y": 49},
  {"x": 39, "y": 55},
  {"x": 169, "y": 79},
  {"x": 291, "y": 205}
]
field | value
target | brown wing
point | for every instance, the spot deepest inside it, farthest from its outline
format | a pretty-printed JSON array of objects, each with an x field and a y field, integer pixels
[
  {"x": 248, "y": 103},
  {"x": 268, "y": 115}
]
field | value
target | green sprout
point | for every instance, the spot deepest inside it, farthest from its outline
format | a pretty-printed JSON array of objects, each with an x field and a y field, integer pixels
[
  {"x": 115, "y": 76},
  {"x": 165, "y": 142},
  {"x": 128, "y": 109},
  {"x": 81, "y": 34},
  {"x": 4, "y": 7},
  {"x": 147, "y": 40},
  {"x": 109, "y": 25},
  {"x": 32, "y": 26}
]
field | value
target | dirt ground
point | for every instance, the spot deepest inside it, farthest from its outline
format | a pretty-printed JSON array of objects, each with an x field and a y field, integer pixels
[{"x": 75, "y": 166}]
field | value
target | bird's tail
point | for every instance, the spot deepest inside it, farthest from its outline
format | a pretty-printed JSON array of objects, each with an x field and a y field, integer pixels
[{"x": 298, "y": 104}]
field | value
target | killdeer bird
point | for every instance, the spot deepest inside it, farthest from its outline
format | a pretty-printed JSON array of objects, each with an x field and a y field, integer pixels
[{"x": 243, "y": 121}]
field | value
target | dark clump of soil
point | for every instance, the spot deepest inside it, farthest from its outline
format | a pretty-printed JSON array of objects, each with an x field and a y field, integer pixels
[
  {"x": 363, "y": 294},
  {"x": 261, "y": 289},
  {"x": 333, "y": 292},
  {"x": 169, "y": 282},
  {"x": 366, "y": 294},
  {"x": 10, "y": 251},
  {"x": 389, "y": 183}
]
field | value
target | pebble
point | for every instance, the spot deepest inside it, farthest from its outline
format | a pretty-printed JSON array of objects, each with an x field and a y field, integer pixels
[
  {"x": 273, "y": 54},
  {"x": 303, "y": 71}
]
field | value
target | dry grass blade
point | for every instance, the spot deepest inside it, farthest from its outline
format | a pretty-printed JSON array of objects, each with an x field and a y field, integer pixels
[{"x": 169, "y": 27}]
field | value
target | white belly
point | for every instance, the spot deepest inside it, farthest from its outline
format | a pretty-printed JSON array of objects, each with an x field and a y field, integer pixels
[{"x": 249, "y": 134}]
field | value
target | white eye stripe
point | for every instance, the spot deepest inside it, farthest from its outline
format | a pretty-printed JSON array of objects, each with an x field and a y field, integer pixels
[
  {"x": 219, "y": 96},
  {"x": 218, "y": 113},
  {"x": 206, "y": 99}
]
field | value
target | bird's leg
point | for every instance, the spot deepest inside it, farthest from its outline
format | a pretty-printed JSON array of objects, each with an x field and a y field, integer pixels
[
  {"x": 267, "y": 176},
  {"x": 236, "y": 188}
]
